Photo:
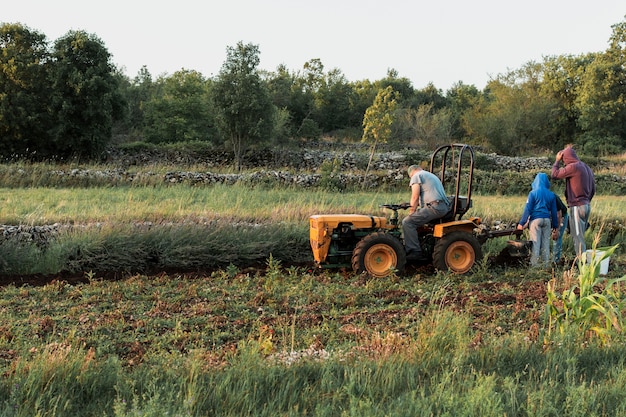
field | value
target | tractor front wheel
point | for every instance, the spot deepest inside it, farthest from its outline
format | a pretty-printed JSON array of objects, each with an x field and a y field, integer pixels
[
  {"x": 457, "y": 252},
  {"x": 378, "y": 254}
]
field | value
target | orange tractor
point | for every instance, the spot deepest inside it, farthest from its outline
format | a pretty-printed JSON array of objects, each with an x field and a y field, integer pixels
[{"x": 374, "y": 244}]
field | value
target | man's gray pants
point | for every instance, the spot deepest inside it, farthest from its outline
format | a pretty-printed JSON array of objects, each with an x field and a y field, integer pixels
[
  {"x": 418, "y": 218},
  {"x": 578, "y": 219}
]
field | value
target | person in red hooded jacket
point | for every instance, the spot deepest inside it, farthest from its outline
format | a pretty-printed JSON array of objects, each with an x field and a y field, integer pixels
[{"x": 580, "y": 187}]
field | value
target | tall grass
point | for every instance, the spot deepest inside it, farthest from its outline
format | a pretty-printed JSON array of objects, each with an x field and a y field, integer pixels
[
  {"x": 440, "y": 372},
  {"x": 140, "y": 229},
  {"x": 60, "y": 380},
  {"x": 129, "y": 249},
  {"x": 177, "y": 203},
  {"x": 162, "y": 204}
]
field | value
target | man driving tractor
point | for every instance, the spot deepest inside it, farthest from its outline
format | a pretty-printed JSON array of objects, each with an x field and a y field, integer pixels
[{"x": 428, "y": 203}]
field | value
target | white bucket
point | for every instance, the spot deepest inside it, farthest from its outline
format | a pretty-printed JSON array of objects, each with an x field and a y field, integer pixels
[{"x": 604, "y": 265}]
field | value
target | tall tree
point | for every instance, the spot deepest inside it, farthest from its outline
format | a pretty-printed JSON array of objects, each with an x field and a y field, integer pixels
[
  {"x": 302, "y": 104},
  {"x": 24, "y": 92},
  {"x": 363, "y": 95},
  {"x": 601, "y": 100},
  {"x": 138, "y": 92},
  {"x": 401, "y": 85},
  {"x": 461, "y": 98},
  {"x": 561, "y": 80},
  {"x": 378, "y": 121},
  {"x": 333, "y": 102},
  {"x": 429, "y": 126},
  {"x": 86, "y": 97},
  {"x": 514, "y": 116},
  {"x": 428, "y": 95},
  {"x": 281, "y": 87},
  {"x": 242, "y": 102},
  {"x": 181, "y": 111}
]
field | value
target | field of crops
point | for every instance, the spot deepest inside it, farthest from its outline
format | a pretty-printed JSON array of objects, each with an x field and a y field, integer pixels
[{"x": 196, "y": 301}]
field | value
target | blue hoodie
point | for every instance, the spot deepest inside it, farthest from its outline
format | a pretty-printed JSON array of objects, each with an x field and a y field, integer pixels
[{"x": 541, "y": 203}]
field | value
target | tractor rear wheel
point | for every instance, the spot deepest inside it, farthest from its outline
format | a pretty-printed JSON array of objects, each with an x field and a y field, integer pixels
[
  {"x": 457, "y": 252},
  {"x": 378, "y": 254}
]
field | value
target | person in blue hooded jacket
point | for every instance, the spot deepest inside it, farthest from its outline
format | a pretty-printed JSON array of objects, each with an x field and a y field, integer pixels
[{"x": 540, "y": 215}]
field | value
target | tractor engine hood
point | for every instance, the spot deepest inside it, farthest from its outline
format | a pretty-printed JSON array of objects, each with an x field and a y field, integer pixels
[{"x": 322, "y": 226}]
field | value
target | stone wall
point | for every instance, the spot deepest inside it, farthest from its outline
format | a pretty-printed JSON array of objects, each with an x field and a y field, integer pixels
[
  {"x": 305, "y": 168},
  {"x": 332, "y": 169},
  {"x": 351, "y": 158}
]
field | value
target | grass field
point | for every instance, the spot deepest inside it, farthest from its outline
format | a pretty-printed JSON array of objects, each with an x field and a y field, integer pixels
[
  {"x": 132, "y": 204},
  {"x": 149, "y": 229},
  {"x": 290, "y": 341},
  {"x": 182, "y": 202},
  {"x": 282, "y": 338}
]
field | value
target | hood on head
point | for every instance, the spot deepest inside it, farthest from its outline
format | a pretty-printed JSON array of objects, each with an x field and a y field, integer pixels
[
  {"x": 541, "y": 181},
  {"x": 569, "y": 155}
]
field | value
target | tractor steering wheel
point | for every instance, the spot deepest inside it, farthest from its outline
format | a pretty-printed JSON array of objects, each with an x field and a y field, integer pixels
[{"x": 395, "y": 207}]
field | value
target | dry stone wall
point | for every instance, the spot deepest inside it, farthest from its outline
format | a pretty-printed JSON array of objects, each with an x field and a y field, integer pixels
[
  {"x": 354, "y": 158},
  {"x": 305, "y": 168}
]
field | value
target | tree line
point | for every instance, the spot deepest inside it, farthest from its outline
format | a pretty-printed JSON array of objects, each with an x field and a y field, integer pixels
[{"x": 68, "y": 100}]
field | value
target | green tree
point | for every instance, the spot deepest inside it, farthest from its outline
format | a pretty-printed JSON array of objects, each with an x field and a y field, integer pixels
[
  {"x": 378, "y": 120},
  {"x": 242, "y": 102},
  {"x": 282, "y": 127},
  {"x": 24, "y": 92},
  {"x": 461, "y": 98},
  {"x": 86, "y": 97},
  {"x": 514, "y": 116},
  {"x": 333, "y": 102},
  {"x": 302, "y": 104},
  {"x": 401, "y": 85},
  {"x": 281, "y": 85},
  {"x": 313, "y": 75},
  {"x": 428, "y": 95},
  {"x": 137, "y": 92},
  {"x": 363, "y": 95},
  {"x": 323, "y": 102},
  {"x": 179, "y": 110},
  {"x": 430, "y": 126},
  {"x": 294, "y": 106},
  {"x": 601, "y": 100},
  {"x": 561, "y": 77}
]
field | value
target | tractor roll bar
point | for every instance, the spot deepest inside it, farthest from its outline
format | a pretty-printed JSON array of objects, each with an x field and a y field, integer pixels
[{"x": 462, "y": 149}]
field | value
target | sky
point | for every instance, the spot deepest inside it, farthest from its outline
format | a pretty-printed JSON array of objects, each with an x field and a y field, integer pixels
[{"x": 442, "y": 42}]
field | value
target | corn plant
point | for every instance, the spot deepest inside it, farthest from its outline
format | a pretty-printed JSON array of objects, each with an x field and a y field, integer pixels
[{"x": 593, "y": 304}]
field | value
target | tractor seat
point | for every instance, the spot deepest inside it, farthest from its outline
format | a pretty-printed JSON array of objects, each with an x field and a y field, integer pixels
[{"x": 461, "y": 208}]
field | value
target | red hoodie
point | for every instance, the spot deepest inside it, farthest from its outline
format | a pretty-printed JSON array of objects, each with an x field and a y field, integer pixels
[{"x": 580, "y": 185}]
